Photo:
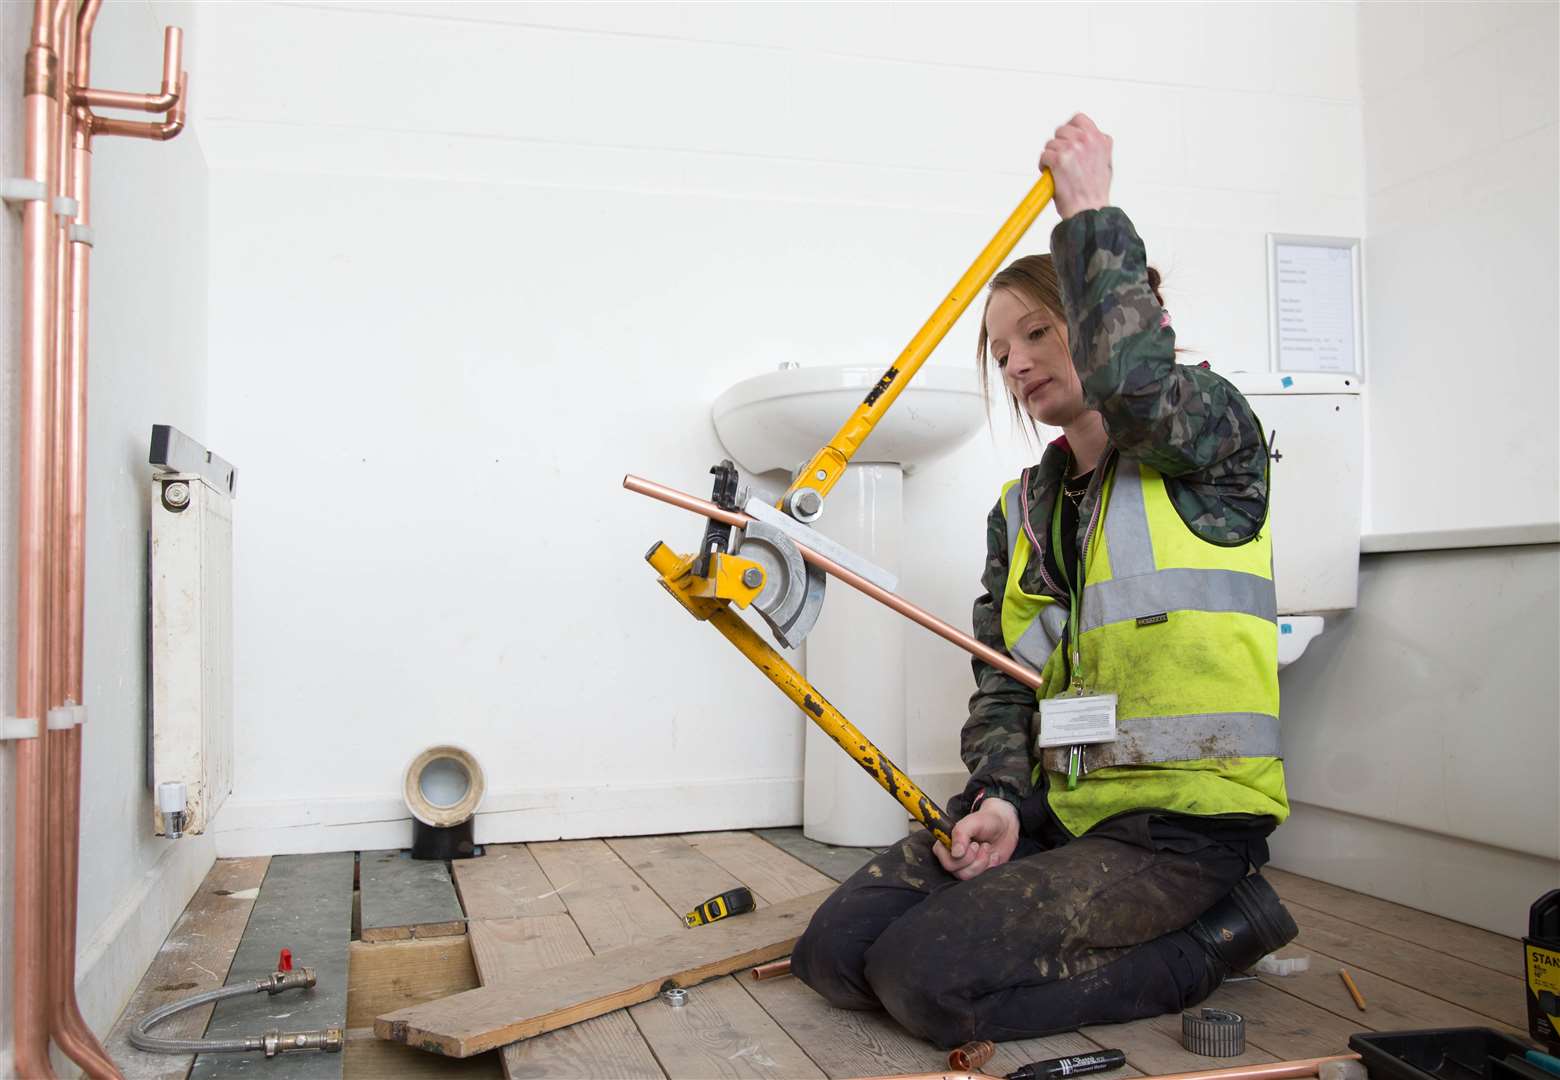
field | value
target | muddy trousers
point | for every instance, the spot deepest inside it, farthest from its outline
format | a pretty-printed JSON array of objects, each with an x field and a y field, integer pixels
[{"x": 1086, "y": 933}]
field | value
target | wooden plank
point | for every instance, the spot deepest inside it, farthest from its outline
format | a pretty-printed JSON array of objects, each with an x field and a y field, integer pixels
[
  {"x": 511, "y": 952},
  {"x": 842, "y": 1042},
  {"x": 406, "y": 898},
  {"x": 1473, "y": 986},
  {"x": 611, "y": 905},
  {"x": 195, "y": 958},
  {"x": 1390, "y": 1006},
  {"x": 305, "y": 904},
  {"x": 721, "y": 1032},
  {"x": 681, "y": 875},
  {"x": 769, "y": 872},
  {"x": 479, "y": 1020},
  {"x": 505, "y": 883},
  {"x": 364, "y": 1057},
  {"x": 1491, "y": 950},
  {"x": 391, "y": 975},
  {"x": 838, "y": 863}
]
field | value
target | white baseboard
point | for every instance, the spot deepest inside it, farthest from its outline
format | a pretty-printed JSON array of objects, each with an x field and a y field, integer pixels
[
  {"x": 110, "y": 965},
  {"x": 1474, "y": 883},
  {"x": 247, "y": 827}
]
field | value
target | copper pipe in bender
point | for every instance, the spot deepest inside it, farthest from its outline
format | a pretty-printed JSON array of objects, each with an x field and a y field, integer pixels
[
  {"x": 30, "y": 1034},
  {"x": 640, "y": 486}
]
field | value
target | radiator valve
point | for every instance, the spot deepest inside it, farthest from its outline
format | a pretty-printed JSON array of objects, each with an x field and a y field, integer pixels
[{"x": 171, "y": 804}]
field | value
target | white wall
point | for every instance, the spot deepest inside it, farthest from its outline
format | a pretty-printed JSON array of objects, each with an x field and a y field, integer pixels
[
  {"x": 147, "y": 365},
  {"x": 1422, "y": 733},
  {"x": 1462, "y": 269},
  {"x": 471, "y": 263}
]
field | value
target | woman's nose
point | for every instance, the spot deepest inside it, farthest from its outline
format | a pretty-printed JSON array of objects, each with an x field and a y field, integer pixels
[{"x": 1018, "y": 364}]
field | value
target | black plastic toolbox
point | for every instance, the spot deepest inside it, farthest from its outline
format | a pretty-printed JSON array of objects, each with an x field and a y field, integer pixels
[{"x": 1445, "y": 1054}]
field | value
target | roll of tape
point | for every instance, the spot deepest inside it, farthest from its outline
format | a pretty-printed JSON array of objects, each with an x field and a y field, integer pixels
[
  {"x": 1216, "y": 1033},
  {"x": 443, "y": 786}
]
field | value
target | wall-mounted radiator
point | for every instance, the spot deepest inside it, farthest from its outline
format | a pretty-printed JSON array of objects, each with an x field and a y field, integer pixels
[{"x": 191, "y": 737}]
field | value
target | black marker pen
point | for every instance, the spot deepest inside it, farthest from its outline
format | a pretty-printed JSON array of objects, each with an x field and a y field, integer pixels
[{"x": 1077, "y": 1065}]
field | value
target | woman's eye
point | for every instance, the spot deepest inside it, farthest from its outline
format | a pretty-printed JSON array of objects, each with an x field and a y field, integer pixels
[
  {"x": 1038, "y": 332},
  {"x": 1001, "y": 361}
]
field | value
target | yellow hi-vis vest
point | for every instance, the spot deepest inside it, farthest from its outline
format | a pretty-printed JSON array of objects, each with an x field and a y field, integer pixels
[{"x": 1185, "y": 633}]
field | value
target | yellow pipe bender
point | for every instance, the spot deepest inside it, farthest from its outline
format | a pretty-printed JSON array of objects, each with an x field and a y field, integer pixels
[{"x": 708, "y": 583}]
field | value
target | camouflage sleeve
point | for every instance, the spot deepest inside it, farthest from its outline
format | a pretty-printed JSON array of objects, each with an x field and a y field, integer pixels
[
  {"x": 1187, "y": 422},
  {"x": 995, "y": 743}
]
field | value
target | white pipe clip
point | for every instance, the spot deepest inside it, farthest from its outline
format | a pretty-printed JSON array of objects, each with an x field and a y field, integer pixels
[
  {"x": 65, "y": 717},
  {"x": 20, "y": 189},
  {"x": 82, "y": 234},
  {"x": 18, "y": 727},
  {"x": 65, "y": 206}
]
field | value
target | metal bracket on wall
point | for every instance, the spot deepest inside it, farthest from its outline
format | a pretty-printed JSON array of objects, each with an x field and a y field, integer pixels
[{"x": 173, "y": 451}]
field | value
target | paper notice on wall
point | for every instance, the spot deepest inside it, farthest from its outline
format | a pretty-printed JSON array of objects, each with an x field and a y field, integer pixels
[{"x": 1314, "y": 297}]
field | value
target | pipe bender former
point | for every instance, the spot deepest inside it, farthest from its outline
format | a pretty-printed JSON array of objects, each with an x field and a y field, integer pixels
[{"x": 770, "y": 559}]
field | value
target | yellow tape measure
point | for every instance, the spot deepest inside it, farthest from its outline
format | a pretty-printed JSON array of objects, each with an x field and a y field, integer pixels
[{"x": 734, "y": 902}]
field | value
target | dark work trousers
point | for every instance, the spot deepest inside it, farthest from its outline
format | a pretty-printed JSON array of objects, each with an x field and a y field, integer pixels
[{"x": 1087, "y": 932}]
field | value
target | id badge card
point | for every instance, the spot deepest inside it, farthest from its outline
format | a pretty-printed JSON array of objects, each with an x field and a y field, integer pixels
[{"x": 1077, "y": 720}]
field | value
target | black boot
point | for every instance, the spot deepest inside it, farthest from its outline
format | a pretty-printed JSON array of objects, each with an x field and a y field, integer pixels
[{"x": 1244, "y": 927}]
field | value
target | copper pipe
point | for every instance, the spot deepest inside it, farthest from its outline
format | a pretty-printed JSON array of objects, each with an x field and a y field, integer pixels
[
  {"x": 29, "y": 957},
  {"x": 172, "y": 82},
  {"x": 1276, "y": 1070},
  {"x": 639, "y": 485},
  {"x": 772, "y": 970},
  {"x": 68, "y": 1027},
  {"x": 972, "y": 1055},
  {"x": 135, "y": 129}
]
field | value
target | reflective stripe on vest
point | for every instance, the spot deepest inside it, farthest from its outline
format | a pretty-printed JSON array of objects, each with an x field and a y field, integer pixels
[{"x": 1186, "y": 639}]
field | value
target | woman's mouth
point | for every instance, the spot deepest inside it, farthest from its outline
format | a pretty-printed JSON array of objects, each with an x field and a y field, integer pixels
[{"x": 1035, "y": 387}]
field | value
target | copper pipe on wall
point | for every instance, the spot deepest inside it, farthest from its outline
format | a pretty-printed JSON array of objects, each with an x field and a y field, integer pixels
[
  {"x": 172, "y": 91},
  {"x": 67, "y": 612},
  {"x": 639, "y": 485},
  {"x": 142, "y": 130},
  {"x": 29, "y": 956}
]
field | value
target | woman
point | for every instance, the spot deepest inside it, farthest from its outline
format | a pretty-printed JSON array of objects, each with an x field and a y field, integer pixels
[{"x": 1099, "y": 870}]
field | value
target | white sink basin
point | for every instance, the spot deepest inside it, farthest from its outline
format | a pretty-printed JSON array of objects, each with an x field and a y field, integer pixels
[{"x": 780, "y": 419}]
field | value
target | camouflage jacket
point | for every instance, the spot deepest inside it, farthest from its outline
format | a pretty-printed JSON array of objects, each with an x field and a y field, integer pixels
[{"x": 1187, "y": 422}]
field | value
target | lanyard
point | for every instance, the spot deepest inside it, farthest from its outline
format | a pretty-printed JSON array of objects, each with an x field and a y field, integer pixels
[{"x": 1074, "y": 592}]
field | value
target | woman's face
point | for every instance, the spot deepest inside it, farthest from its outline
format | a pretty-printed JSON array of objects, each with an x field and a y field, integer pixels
[{"x": 1029, "y": 344}]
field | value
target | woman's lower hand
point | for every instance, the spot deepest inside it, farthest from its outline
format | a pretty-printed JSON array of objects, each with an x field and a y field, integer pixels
[
  {"x": 980, "y": 841},
  {"x": 1079, "y": 160}
]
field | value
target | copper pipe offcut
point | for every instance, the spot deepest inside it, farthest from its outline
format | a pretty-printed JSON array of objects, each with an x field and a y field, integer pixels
[
  {"x": 772, "y": 970},
  {"x": 640, "y": 486}
]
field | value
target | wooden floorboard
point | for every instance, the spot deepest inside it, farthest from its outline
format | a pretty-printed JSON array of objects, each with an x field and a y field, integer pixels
[
  {"x": 838, "y": 863},
  {"x": 721, "y": 1031},
  {"x": 305, "y": 904},
  {"x": 195, "y": 958},
  {"x": 388, "y": 975},
  {"x": 534, "y": 906},
  {"x": 481, "y": 1019},
  {"x": 403, "y": 898},
  {"x": 1450, "y": 978},
  {"x": 1389, "y": 1005},
  {"x": 843, "y": 1043},
  {"x": 771, "y": 873},
  {"x": 505, "y": 883},
  {"x": 1495, "y": 951},
  {"x": 511, "y": 952}
]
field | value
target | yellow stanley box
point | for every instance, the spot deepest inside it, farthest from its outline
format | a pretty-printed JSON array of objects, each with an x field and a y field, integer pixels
[{"x": 1541, "y": 951}]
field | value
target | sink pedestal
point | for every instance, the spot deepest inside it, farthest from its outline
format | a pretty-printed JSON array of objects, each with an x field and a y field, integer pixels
[{"x": 855, "y": 657}]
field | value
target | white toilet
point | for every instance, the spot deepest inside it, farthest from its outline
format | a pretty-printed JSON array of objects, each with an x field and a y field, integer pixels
[{"x": 1314, "y": 428}]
